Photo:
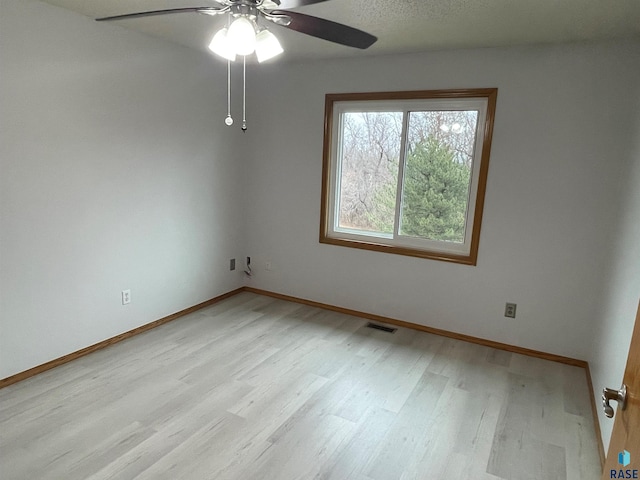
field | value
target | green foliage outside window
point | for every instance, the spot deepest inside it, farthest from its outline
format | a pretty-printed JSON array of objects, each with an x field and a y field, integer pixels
[{"x": 434, "y": 198}]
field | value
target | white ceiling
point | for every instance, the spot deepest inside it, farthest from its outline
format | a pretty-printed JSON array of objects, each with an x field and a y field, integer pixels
[{"x": 401, "y": 26}]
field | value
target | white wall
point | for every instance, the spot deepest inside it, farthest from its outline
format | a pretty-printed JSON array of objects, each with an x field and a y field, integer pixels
[
  {"x": 552, "y": 198},
  {"x": 613, "y": 331},
  {"x": 117, "y": 173}
]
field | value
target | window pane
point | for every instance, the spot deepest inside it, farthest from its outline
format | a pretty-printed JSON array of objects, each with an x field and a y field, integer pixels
[
  {"x": 437, "y": 174},
  {"x": 369, "y": 171}
]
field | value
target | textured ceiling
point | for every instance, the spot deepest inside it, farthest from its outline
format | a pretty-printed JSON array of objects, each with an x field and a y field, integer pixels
[{"x": 401, "y": 25}]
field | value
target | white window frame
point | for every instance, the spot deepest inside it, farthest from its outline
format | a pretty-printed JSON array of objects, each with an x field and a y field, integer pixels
[{"x": 336, "y": 105}]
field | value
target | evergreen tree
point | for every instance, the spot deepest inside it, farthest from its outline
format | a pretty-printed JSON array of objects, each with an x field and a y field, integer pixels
[{"x": 435, "y": 194}]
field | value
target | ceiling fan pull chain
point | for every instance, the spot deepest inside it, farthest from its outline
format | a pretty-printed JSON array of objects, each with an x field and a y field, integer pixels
[
  {"x": 228, "y": 120},
  {"x": 244, "y": 93}
]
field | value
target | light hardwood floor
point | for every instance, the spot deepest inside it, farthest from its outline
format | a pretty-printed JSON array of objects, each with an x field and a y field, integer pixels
[{"x": 259, "y": 388}]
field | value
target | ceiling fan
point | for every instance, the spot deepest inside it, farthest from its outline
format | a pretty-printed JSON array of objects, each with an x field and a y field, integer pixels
[
  {"x": 275, "y": 11},
  {"x": 244, "y": 35}
]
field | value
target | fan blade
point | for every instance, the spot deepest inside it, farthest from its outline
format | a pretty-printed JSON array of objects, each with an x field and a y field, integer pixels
[
  {"x": 298, "y": 3},
  {"x": 209, "y": 10},
  {"x": 327, "y": 30}
]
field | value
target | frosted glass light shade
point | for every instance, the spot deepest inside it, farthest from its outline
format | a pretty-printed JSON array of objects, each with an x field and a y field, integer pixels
[
  {"x": 221, "y": 45},
  {"x": 242, "y": 35},
  {"x": 267, "y": 46}
]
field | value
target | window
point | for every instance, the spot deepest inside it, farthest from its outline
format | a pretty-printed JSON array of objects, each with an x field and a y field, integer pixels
[{"x": 405, "y": 172}]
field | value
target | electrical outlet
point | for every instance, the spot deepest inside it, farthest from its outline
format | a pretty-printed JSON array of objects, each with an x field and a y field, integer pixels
[
  {"x": 510, "y": 310},
  {"x": 268, "y": 265},
  {"x": 126, "y": 297},
  {"x": 232, "y": 264}
]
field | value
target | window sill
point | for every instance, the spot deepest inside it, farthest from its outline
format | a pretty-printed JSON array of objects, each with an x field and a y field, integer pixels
[{"x": 470, "y": 259}]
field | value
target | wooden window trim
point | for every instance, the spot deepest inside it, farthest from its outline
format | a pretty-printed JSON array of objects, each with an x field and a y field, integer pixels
[{"x": 471, "y": 259}]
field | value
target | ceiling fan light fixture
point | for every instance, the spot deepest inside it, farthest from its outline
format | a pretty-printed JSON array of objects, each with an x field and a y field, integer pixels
[
  {"x": 267, "y": 46},
  {"x": 243, "y": 36},
  {"x": 221, "y": 45}
]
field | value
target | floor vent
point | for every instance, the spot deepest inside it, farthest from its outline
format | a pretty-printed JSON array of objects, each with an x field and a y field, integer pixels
[{"x": 381, "y": 327}]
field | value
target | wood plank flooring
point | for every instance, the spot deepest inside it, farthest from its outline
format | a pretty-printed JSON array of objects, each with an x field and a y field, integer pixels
[{"x": 259, "y": 388}]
